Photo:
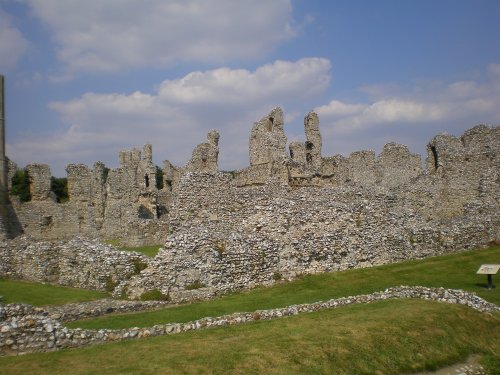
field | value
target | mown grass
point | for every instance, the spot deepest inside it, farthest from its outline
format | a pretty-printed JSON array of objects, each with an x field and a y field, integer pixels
[
  {"x": 150, "y": 250},
  {"x": 457, "y": 271},
  {"x": 37, "y": 294},
  {"x": 387, "y": 337}
]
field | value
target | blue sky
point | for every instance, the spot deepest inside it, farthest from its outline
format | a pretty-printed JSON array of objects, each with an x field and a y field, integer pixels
[{"x": 85, "y": 79}]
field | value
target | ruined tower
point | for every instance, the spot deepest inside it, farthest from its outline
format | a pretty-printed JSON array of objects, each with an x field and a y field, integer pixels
[
  {"x": 313, "y": 143},
  {"x": 268, "y": 139}
]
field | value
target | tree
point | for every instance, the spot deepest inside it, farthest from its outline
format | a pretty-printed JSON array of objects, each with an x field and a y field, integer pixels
[
  {"x": 21, "y": 185},
  {"x": 59, "y": 187}
]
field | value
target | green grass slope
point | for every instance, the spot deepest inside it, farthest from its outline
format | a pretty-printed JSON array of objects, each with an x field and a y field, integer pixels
[
  {"x": 457, "y": 271},
  {"x": 387, "y": 337},
  {"x": 37, "y": 294}
]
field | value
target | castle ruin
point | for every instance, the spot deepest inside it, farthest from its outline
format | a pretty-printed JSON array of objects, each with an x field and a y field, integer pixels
[{"x": 288, "y": 213}]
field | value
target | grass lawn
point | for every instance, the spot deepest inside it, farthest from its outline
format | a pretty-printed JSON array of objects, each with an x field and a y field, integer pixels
[
  {"x": 387, "y": 337},
  {"x": 150, "y": 250},
  {"x": 456, "y": 271},
  {"x": 37, "y": 294}
]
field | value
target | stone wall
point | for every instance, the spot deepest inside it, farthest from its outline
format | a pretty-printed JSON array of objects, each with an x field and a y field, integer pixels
[
  {"x": 280, "y": 217},
  {"x": 230, "y": 232},
  {"x": 80, "y": 262},
  {"x": 25, "y": 329},
  {"x": 123, "y": 203}
]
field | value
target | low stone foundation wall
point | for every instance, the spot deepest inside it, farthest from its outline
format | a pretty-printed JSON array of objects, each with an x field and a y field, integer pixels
[{"x": 25, "y": 329}]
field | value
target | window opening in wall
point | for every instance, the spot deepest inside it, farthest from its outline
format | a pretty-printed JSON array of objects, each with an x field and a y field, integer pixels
[
  {"x": 159, "y": 178},
  {"x": 309, "y": 145},
  {"x": 269, "y": 125},
  {"x": 146, "y": 180},
  {"x": 435, "y": 157},
  {"x": 105, "y": 173}
]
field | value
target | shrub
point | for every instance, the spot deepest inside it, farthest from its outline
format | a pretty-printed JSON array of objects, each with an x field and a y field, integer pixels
[
  {"x": 154, "y": 295},
  {"x": 124, "y": 293},
  {"x": 277, "y": 276},
  {"x": 139, "y": 266},
  {"x": 195, "y": 285},
  {"x": 110, "y": 284}
]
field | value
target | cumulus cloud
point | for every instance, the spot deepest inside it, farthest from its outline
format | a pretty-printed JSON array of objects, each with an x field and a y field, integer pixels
[
  {"x": 107, "y": 36},
  {"x": 279, "y": 79},
  {"x": 411, "y": 116},
  {"x": 178, "y": 115},
  {"x": 12, "y": 43}
]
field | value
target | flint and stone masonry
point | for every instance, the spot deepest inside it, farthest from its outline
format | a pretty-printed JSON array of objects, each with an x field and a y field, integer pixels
[{"x": 290, "y": 212}]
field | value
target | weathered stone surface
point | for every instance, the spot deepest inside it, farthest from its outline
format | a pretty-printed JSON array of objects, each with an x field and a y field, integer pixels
[
  {"x": 80, "y": 262},
  {"x": 205, "y": 155}
]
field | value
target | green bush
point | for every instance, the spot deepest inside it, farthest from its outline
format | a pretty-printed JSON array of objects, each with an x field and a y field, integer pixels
[
  {"x": 154, "y": 295},
  {"x": 110, "y": 284},
  {"x": 21, "y": 185},
  {"x": 195, "y": 285},
  {"x": 139, "y": 266}
]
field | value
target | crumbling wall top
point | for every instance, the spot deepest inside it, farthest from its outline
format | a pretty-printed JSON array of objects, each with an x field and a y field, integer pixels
[
  {"x": 267, "y": 139},
  {"x": 39, "y": 176},
  {"x": 206, "y": 155}
]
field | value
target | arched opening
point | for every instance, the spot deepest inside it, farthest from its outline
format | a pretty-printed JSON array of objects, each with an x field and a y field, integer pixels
[{"x": 146, "y": 180}]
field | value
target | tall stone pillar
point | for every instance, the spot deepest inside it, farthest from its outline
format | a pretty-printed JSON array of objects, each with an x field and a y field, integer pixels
[{"x": 313, "y": 143}]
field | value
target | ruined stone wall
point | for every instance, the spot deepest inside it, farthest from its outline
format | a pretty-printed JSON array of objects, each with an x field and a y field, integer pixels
[
  {"x": 368, "y": 210},
  {"x": 231, "y": 238},
  {"x": 280, "y": 217},
  {"x": 112, "y": 204},
  {"x": 80, "y": 263}
]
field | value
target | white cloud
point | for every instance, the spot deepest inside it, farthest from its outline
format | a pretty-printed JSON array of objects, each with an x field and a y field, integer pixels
[
  {"x": 337, "y": 108},
  {"x": 95, "y": 35},
  {"x": 12, "y": 43},
  {"x": 177, "y": 116},
  {"x": 410, "y": 116},
  {"x": 279, "y": 79}
]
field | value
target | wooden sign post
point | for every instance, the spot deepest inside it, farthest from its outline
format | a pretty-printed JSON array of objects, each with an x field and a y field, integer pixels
[{"x": 490, "y": 270}]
